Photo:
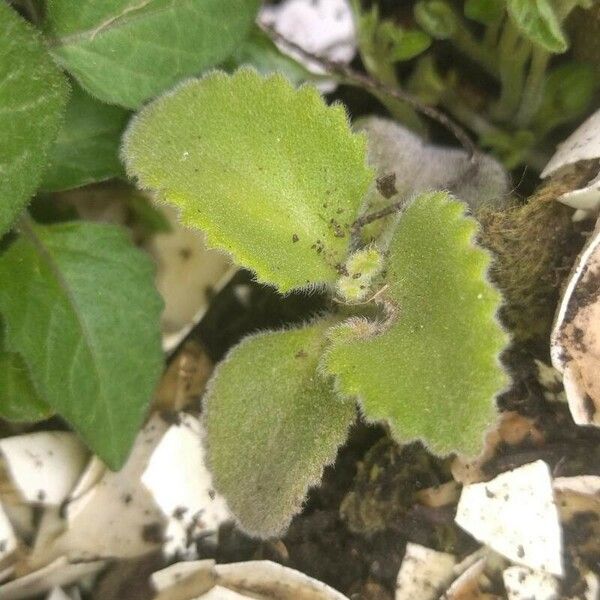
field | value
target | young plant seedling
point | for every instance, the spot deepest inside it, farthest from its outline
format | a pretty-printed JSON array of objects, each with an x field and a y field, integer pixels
[{"x": 277, "y": 178}]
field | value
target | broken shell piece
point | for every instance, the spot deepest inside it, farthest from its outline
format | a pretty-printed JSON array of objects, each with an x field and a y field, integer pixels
[
  {"x": 117, "y": 517},
  {"x": 58, "y": 594},
  {"x": 583, "y": 144},
  {"x": 575, "y": 339},
  {"x": 323, "y": 27},
  {"x": 273, "y": 581},
  {"x": 173, "y": 574},
  {"x": 45, "y": 465},
  {"x": 522, "y": 583},
  {"x": 8, "y": 539},
  {"x": 179, "y": 481},
  {"x": 467, "y": 585},
  {"x": 587, "y": 485},
  {"x": 249, "y": 580},
  {"x": 59, "y": 573},
  {"x": 515, "y": 514},
  {"x": 188, "y": 275},
  {"x": 424, "y": 573}
]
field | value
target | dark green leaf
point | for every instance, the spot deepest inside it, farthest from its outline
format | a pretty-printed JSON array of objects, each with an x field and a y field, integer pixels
[
  {"x": 87, "y": 147},
  {"x": 19, "y": 401},
  {"x": 33, "y": 94},
  {"x": 126, "y": 51},
  {"x": 79, "y": 304}
]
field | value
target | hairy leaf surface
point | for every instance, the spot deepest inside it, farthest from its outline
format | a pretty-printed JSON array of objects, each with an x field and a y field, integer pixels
[
  {"x": 273, "y": 423},
  {"x": 19, "y": 400},
  {"x": 87, "y": 147},
  {"x": 128, "y": 51},
  {"x": 432, "y": 370},
  {"x": 33, "y": 94},
  {"x": 83, "y": 312},
  {"x": 270, "y": 173}
]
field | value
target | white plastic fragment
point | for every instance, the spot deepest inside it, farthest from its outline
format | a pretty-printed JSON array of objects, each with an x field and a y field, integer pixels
[
  {"x": 575, "y": 338},
  {"x": 322, "y": 27},
  {"x": 59, "y": 573},
  {"x": 424, "y": 573},
  {"x": 181, "y": 485},
  {"x": 8, "y": 539},
  {"x": 187, "y": 276},
  {"x": 45, "y": 465},
  {"x": 522, "y": 583},
  {"x": 515, "y": 514},
  {"x": 582, "y": 144}
]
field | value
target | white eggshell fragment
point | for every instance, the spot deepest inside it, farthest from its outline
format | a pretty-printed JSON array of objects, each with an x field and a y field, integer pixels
[
  {"x": 466, "y": 585},
  {"x": 45, "y": 465},
  {"x": 424, "y": 573},
  {"x": 8, "y": 539},
  {"x": 58, "y": 594},
  {"x": 575, "y": 338},
  {"x": 181, "y": 485},
  {"x": 59, "y": 573},
  {"x": 188, "y": 274},
  {"x": 522, "y": 583},
  {"x": 173, "y": 574},
  {"x": 221, "y": 593},
  {"x": 118, "y": 516},
  {"x": 273, "y": 580},
  {"x": 322, "y": 27},
  {"x": 587, "y": 485},
  {"x": 515, "y": 514},
  {"x": 582, "y": 144}
]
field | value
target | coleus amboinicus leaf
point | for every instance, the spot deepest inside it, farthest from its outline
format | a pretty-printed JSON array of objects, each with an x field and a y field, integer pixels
[{"x": 271, "y": 174}]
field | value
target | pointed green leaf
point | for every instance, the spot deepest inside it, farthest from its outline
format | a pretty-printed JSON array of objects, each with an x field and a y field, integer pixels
[
  {"x": 538, "y": 21},
  {"x": 432, "y": 370},
  {"x": 87, "y": 147},
  {"x": 128, "y": 51},
  {"x": 270, "y": 173},
  {"x": 19, "y": 400},
  {"x": 273, "y": 423},
  {"x": 79, "y": 304},
  {"x": 33, "y": 94}
]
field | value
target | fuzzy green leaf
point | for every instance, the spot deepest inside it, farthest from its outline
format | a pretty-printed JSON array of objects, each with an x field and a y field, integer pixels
[
  {"x": 87, "y": 147},
  {"x": 432, "y": 369},
  {"x": 437, "y": 18},
  {"x": 539, "y": 22},
  {"x": 19, "y": 401},
  {"x": 33, "y": 94},
  {"x": 81, "y": 308},
  {"x": 126, "y": 51},
  {"x": 273, "y": 423},
  {"x": 270, "y": 173}
]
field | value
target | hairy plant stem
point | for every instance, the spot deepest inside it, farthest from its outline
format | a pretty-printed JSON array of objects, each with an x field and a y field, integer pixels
[
  {"x": 534, "y": 87},
  {"x": 513, "y": 54}
]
